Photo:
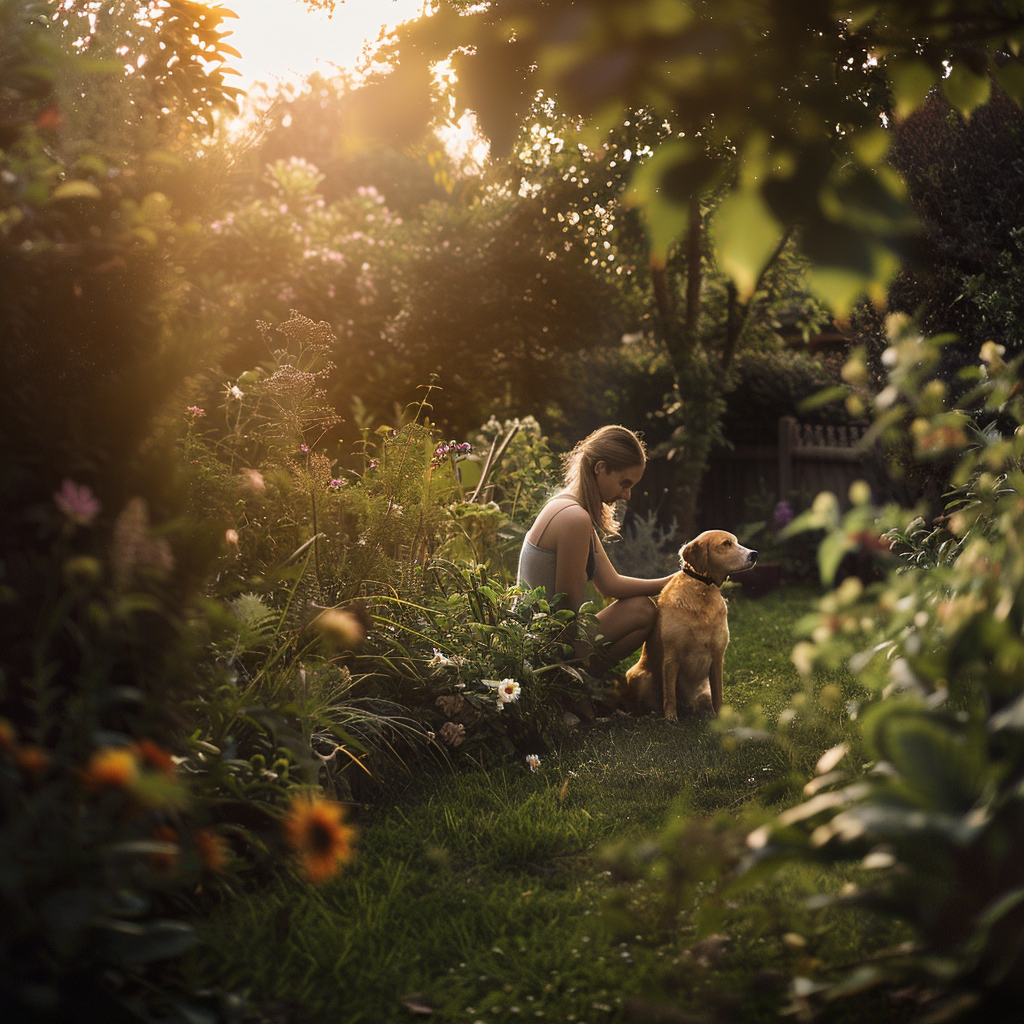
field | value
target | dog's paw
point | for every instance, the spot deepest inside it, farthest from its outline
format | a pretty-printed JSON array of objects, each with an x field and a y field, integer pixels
[{"x": 703, "y": 708}]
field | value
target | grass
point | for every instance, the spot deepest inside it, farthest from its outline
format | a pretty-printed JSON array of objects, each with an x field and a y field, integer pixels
[{"x": 502, "y": 894}]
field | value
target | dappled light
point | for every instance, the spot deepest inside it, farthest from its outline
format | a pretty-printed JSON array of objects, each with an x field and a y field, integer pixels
[{"x": 331, "y": 328}]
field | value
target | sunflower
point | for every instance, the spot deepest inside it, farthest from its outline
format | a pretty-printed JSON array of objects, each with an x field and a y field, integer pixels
[
  {"x": 315, "y": 829},
  {"x": 113, "y": 767}
]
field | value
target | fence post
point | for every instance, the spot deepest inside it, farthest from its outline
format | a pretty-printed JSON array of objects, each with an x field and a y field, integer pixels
[{"x": 787, "y": 439}]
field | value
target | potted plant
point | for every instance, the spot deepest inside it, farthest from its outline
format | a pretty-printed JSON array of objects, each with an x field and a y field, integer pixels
[{"x": 763, "y": 535}]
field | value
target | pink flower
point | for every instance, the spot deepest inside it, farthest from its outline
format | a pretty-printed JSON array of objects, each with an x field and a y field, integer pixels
[
  {"x": 194, "y": 410},
  {"x": 304, "y": 448},
  {"x": 78, "y": 503}
]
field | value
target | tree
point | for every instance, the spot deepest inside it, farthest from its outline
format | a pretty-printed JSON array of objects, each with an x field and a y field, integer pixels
[
  {"x": 787, "y": 102},
  {"x": 965, "y": 178}
]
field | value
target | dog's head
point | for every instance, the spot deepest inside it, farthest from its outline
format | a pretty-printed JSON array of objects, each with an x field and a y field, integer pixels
[{"x": 717, "y": 554}]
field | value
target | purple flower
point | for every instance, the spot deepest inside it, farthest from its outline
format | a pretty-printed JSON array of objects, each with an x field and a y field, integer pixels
[
  {"x": 782, "y": 516},
  {"x": 194, "y": 410},
  {"x": 337, "y": 483},
  {"x": 304, "y": 448},
  {"x": 372, "y": 464},
  {"x": 78, "y": 503}
]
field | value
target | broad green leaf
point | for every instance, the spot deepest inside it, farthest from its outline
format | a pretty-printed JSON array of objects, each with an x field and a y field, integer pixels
[
  {"x": 662, "y": 186},
  {"x": 838, "y": 287},
  {"x": 870, "y": 145},
  {"x": 911, "y": 81},
  {"x": 940, "y": 769},
  {"x": 1011, "y": 80},
  {"x": 147, "y": 943},
  {"x": 76, "y": 190},
  {"x": 667, "y": 16},
  {"x": 830, "y": 554},
  {"x": 745, "y": 235},
  {"x": 965, "y": 90}
]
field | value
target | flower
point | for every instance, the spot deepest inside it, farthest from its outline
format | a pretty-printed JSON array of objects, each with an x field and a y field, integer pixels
[
  {"x": 453, "y": 733},
  {"x": 341, "y": 628},
  {"x": 77, "y": 502},
  {"x": 532, "y": 762},
  {"x": 31, "y": 759},
  {"x": 164, "y": 862},
  {"x": 508, "y": 690},
  {"x": 372, "y": 464},
  {"x": 154, "y": 756},
  {"x": 439, "y": 660},
  {"x": 212, "y": 849},
  {"x": 236, "y": 392},
  {"x": 304, "y": 448},
  {"x": 195, "y": 412},
  {"x": 783, "y": 515},
  {"x": 113, "y": 767},
  {"x": 252, "y": 480},
  {"x": 337, "y": 483},
  {"x": 315, "y": 829},
  {"x": 8, "y": 736},
  {"x": 231, "y": 536}
]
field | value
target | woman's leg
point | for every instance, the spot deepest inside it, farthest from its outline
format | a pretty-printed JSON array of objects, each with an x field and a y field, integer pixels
[{"x": 625, "y": 625}]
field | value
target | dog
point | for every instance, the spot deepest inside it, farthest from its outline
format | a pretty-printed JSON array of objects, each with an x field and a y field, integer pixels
[{"x": 682, "y": 660}]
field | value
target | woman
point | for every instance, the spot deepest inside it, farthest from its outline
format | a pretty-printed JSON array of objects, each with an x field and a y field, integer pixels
[{"x": 563, "y": 549}]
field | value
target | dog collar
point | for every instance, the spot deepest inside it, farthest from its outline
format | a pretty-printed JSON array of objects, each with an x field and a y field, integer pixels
[{"x": 690, "y": 571}]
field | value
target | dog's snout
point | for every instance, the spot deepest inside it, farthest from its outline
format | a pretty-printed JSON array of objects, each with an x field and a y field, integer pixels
[{"x": 752, "y": 556}]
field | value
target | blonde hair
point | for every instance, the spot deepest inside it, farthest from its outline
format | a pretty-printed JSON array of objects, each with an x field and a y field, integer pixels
[{"x": 617, "y": 447}]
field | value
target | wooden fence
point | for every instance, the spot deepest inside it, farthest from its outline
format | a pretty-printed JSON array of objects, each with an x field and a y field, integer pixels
[{"x": 744, "y": 483}]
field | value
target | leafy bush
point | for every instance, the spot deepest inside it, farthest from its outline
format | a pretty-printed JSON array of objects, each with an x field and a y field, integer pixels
[{"x": 938, "y": 815}]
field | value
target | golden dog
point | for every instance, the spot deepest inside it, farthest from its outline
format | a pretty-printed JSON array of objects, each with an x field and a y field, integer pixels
[{"x": 683, "y": 658}]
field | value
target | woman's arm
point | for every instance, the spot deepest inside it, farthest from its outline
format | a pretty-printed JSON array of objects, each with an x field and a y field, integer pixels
[{"x": 611, "y": 584}]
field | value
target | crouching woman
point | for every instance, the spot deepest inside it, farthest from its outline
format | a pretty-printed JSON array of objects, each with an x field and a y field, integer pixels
[{"x": 563, "y": 548}]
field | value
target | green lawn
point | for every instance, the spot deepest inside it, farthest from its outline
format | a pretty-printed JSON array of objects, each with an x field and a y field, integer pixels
[{"x": 509, "y": 895}]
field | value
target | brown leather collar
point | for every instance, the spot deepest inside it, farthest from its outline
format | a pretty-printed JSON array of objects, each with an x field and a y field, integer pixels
[{"x": 690, "y": 571}]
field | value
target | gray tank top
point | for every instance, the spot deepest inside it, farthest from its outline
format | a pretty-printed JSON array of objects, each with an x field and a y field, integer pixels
[{"x": 537, "y": 566}]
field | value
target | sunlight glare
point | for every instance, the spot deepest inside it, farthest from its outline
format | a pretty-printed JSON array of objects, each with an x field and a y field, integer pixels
[{"x": 282, "y": 41}]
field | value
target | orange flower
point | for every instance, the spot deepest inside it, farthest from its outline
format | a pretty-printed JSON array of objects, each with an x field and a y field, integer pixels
[
  {"x": 213, "y": 850},
  {"x": 154, "y": 756},
  {"x": 7, "y": 735},
  {"x": 164, "y": 863},
  {"x": 111, "y": 766},
  {"x": 314, "y": 828},
  {"x": 32, "y": 760}
]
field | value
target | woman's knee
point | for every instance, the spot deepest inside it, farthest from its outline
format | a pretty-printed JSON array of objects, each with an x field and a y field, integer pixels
[{"x": 643, "y": 612}]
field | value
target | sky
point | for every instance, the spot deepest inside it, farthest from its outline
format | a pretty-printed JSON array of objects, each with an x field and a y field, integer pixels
[{"x": 280, "y": 39}]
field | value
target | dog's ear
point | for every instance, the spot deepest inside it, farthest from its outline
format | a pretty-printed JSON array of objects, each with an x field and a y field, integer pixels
[{"x": 696, "y": 554}]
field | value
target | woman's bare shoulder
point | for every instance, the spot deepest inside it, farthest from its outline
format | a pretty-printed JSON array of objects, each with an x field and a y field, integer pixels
[{"x": 569, "y": 516}]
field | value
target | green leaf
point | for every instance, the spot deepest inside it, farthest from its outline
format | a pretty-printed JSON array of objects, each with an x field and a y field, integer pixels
[
  {"x": 941, "y": 769},
  {"x": 1011, "y": 80},
  {"x": 147, "y": 943},
  {"x": 76, "y": 190},
  {"x": 965, "y": 90},
  {"x": 746, "y": 235},
  {"x": 911, "y": 81},
  {"x": 830, "y": 554},
  {"x": 659, "y": 190}
]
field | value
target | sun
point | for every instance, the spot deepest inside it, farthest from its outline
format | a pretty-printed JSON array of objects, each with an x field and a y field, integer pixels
[{"x": 281, "y": 41}]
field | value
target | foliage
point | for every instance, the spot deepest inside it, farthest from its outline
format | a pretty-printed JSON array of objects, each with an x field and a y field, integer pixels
[
  {"x": 768, "y": 385},
  {"x": 105, "y": 843},
  {"x": 465, "y": 290},
  {"x": 938, "y": 646},
  {"x": 963, "y": 177},
  {"x": 498, "y": 887},
  {"x": 809, "y": 147}
]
